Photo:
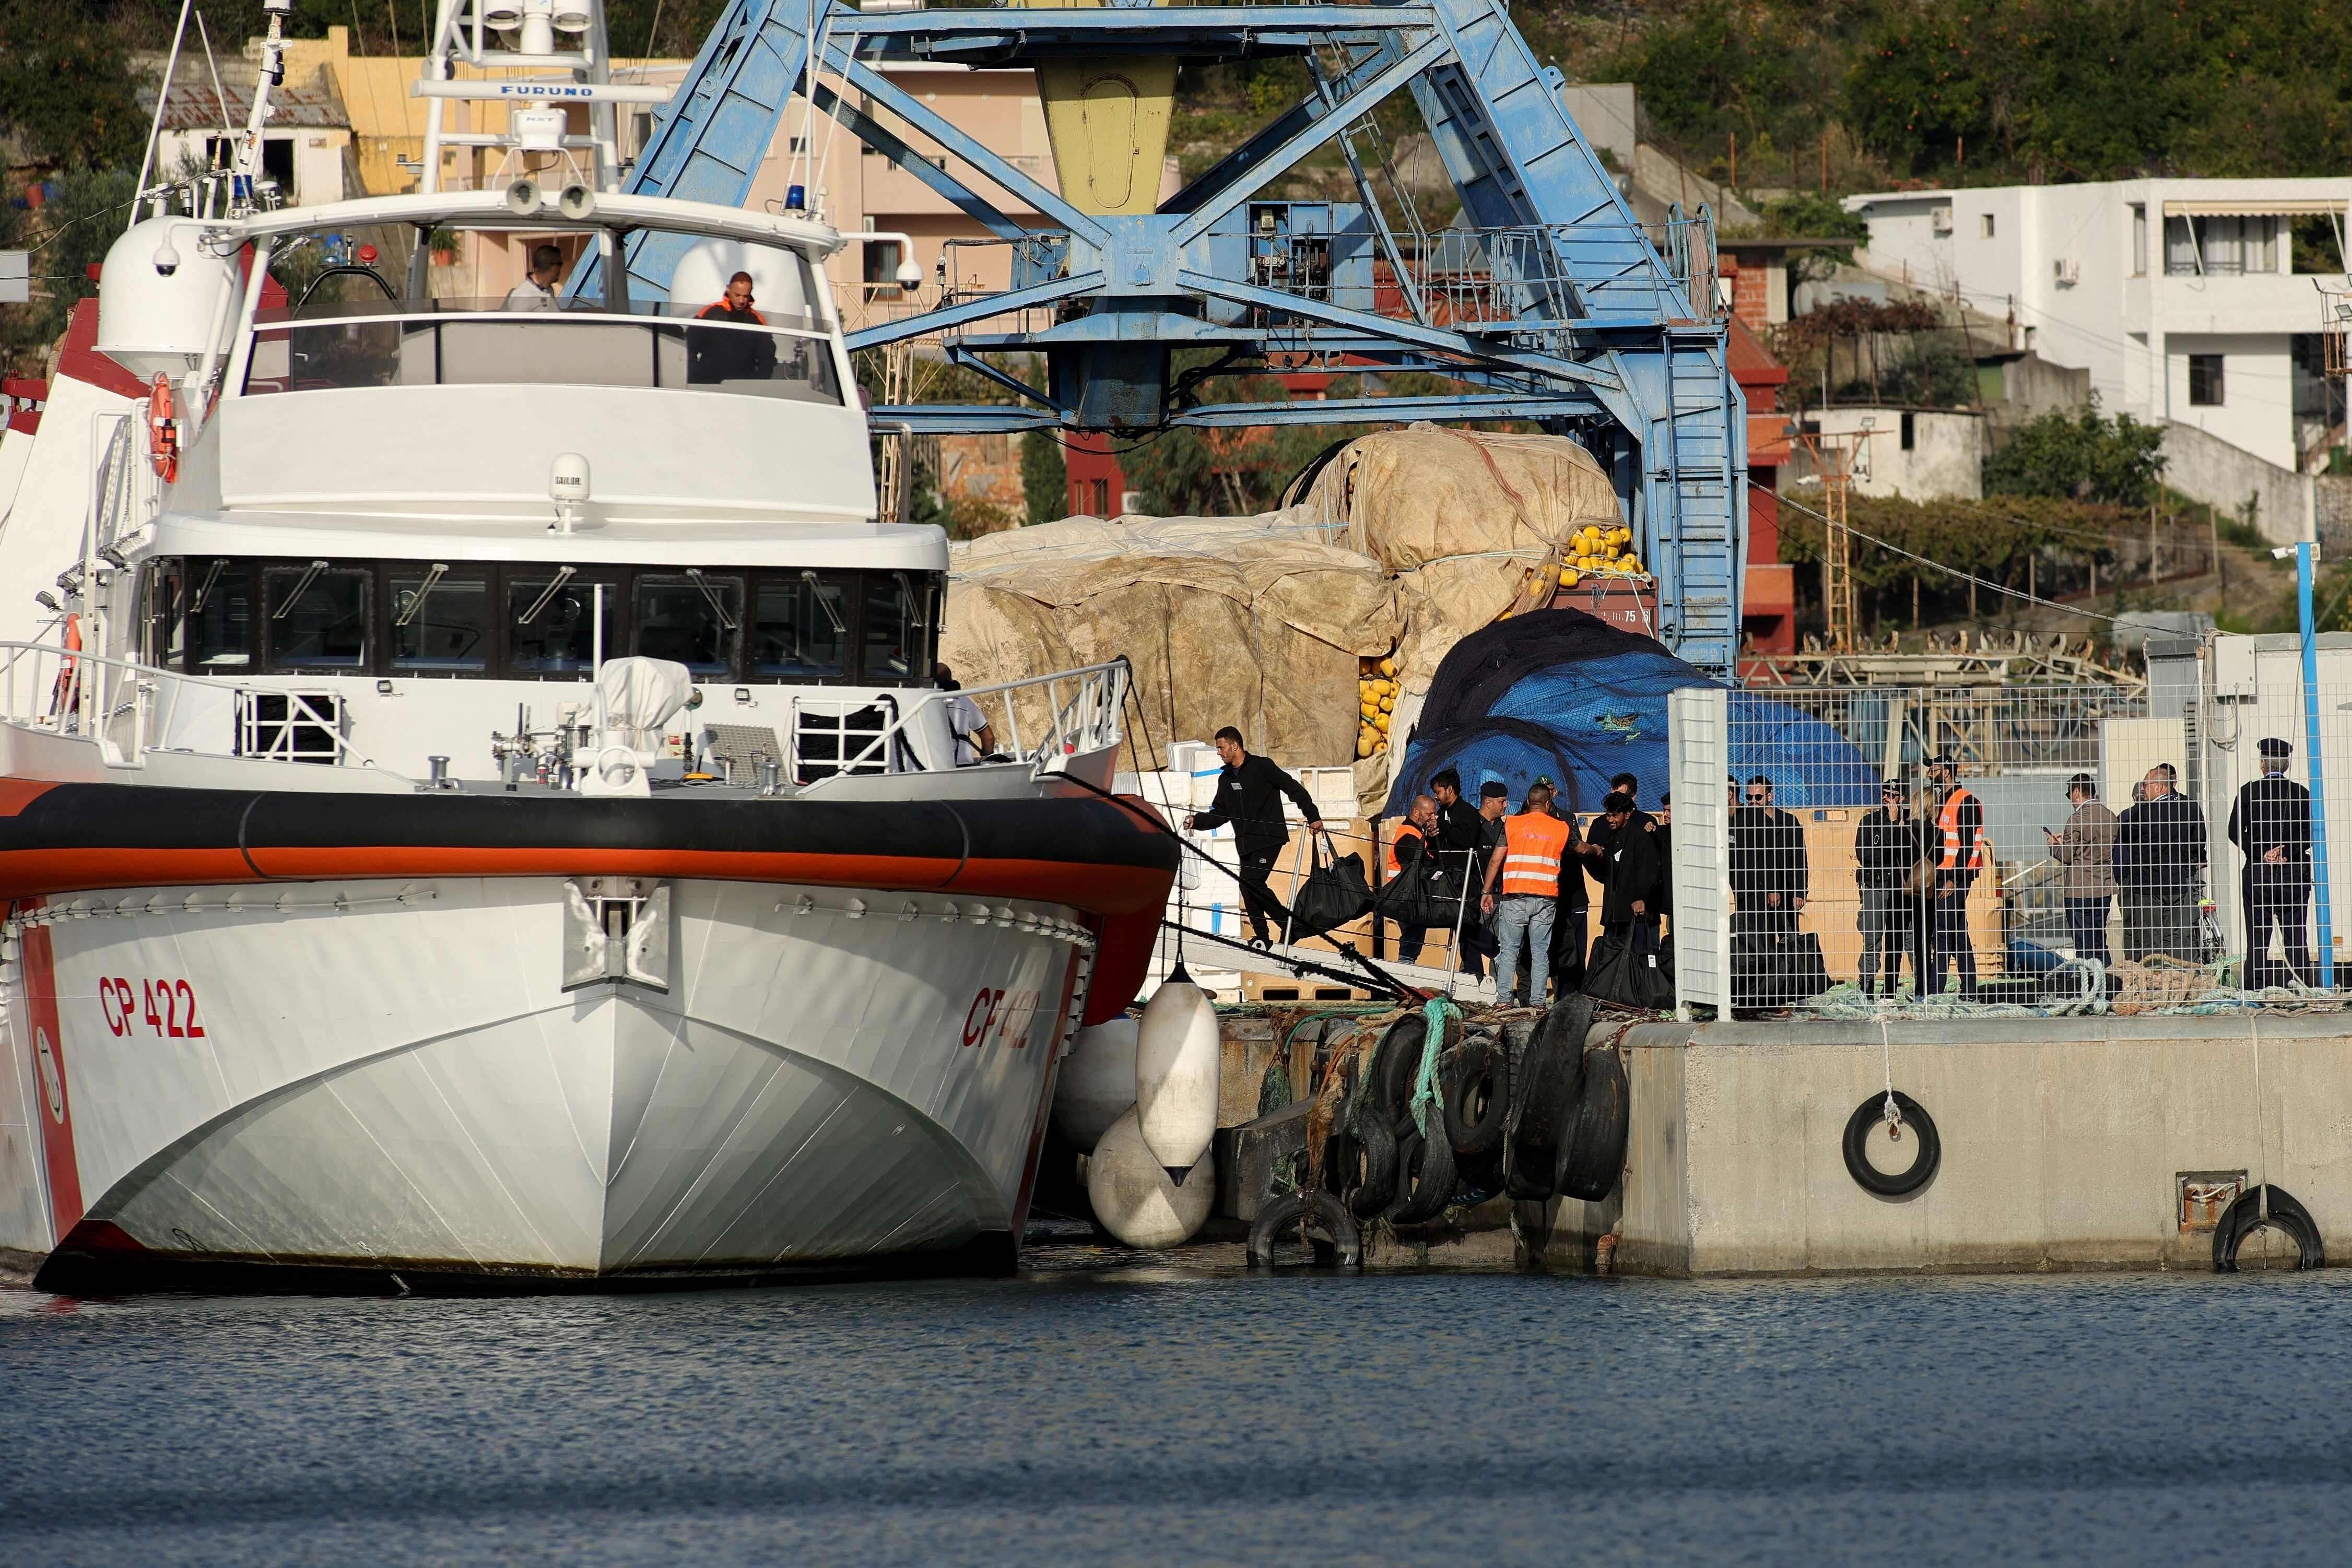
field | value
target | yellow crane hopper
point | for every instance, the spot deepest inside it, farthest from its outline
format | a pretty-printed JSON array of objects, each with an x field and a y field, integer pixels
[{"x": 1106, "y": 119}]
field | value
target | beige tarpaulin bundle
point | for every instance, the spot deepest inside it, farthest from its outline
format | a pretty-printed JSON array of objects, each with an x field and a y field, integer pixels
[
  {"x": 1409, "y": 539},
  {"x": 1251, "y": 622},
  {"x": 1461, "y": 518}
]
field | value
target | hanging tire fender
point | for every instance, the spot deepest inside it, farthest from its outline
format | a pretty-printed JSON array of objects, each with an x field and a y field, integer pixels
[
  {"x": 1425, "y": 1184},
  {"x": 1593, "y": 1152},
  {"x": 1477, "y": 1078},
  {"x": 1868, "y": 1118},
  {"x": 2286, "y": 1216},
  {"x": 1328, "y": 1225}
]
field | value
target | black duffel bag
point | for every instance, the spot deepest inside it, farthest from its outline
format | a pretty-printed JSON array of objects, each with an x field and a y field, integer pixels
[
  {"x": 1624, "y": 968},
  {"x": 1334, "y": 894},
  {"x": 1773, "y": 971},
  {"x": 1423, "y": 895}
]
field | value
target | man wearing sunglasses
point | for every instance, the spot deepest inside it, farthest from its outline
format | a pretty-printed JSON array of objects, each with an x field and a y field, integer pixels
[{"x": 1770, "y": 875}]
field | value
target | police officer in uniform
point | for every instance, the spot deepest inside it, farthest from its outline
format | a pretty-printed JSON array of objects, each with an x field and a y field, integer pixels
[{"x": 2270, "y": 824}]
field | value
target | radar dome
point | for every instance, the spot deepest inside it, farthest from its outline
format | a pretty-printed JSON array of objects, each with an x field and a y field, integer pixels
[{"x": 161, "y": 297}]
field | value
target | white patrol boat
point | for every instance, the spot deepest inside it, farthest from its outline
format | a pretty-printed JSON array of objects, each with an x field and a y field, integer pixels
[{"x": 475, "y": 810}]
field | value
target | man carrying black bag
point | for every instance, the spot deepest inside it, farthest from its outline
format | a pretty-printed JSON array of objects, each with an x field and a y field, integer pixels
[
  {"x": 1249, "y": 796},
  {"x": 1624, "y": 968}
]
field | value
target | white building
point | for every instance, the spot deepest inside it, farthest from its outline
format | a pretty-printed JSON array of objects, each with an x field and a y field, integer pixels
[{"x": 2184, "y": 300}]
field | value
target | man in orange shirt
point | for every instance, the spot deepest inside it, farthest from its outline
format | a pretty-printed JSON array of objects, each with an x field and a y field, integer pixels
[
  {"x": 713, "y": 358},
  {"x": 1526, "y": 866}
]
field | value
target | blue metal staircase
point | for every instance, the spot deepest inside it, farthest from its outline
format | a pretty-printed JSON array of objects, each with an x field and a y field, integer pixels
[{"x": 1547, "y": 301}]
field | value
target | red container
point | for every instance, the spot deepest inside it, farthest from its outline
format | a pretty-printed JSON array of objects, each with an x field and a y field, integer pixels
[{"x": 1631, "y": 602}]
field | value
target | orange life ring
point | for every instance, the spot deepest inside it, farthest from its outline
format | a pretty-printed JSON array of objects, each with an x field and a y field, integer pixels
[{"x": 163, "y": 430}]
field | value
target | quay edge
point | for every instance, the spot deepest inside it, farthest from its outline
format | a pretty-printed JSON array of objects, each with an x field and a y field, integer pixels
[{"x": 2065, "y": 1143}]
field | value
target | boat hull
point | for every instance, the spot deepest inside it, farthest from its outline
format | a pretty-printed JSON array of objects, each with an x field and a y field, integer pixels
[{"x": 388, "y": 1083}]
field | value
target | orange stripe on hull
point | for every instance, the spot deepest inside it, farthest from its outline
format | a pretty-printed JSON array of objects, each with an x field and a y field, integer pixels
[{"x": 1104, "y": 888}]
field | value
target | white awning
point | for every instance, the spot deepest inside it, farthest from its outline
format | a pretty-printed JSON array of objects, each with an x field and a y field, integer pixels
[{"x": 2251, "y": 208}]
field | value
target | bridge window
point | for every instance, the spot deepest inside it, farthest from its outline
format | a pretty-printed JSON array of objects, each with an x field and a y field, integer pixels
[
  {"x": 228, "y": 616},
  {"x": 318, "y": 617},
  {"x": 439, "y": 620},
  {"x": 802, "y": 629},
  {"x": 693, "y": 620},
  {"x": 552, "y": 619},
  {"x": 220, "y": 616}
]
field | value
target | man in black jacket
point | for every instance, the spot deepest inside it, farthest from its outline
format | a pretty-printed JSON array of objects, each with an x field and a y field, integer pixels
[
  {"x": 2160, "y": 854},
  {"x": 1770, "y": 874},
  {"x": 1462, "y": 835},
  {"x": 1886, "y": 845},
  {"x": 2270, "y": 822},
  {"x": 1249, "y": 796}
]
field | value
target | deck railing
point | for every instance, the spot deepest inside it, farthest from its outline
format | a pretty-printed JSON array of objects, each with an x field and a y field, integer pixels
[
  {"x": 1042, "y": 721},
  {"x": 129, "y": 709}
]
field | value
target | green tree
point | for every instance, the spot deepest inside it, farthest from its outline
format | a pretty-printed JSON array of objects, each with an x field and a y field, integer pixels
[
  {"x": 1044, "y": 475},
  {"x": 2084, "y": 457},
  {"x": 66, "y": 89},
  {"x": 88, "y": 213}
]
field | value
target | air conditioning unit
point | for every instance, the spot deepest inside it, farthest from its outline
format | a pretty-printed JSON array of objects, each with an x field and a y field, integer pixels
[
  {"x": 2067, "y": 271},
  {"x": 1940, "y": 221}
]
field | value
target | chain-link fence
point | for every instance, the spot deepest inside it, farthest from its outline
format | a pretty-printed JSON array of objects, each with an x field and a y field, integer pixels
[{"x": 2054, "y": 848}]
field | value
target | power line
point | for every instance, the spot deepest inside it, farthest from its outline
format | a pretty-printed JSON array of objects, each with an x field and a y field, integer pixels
[{"x": 1949, "y": 570}]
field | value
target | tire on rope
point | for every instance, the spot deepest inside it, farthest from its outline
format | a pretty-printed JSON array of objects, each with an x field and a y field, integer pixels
[
  {"x": 1330, "y": 1230},
  {"x": 1396, "y": 1067},
  {"x": 2288, "y": 1217},
  {"x": 1557, "y": 1048},
  {"x": 1870, "y": 1115},
  {"x": 1362, "y": 1163},
  {"x": 1592, "y": 1156},
  {"x": 1424, "y": 1183},
  {"x": 1475, "y": 1079}
]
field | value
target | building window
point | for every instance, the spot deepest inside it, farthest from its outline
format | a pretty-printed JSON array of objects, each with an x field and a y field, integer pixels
[
  {"x": 882, "y": 266},
  {"x": 2205, "y": 380},
  {"x": 1984, "y": 225},
  {"x": 1098, "y": 498},
  {"x": 2220, "y": 246},
  {"x": 2140, "y": 240},
  {"x": 1910, "y": 429}
]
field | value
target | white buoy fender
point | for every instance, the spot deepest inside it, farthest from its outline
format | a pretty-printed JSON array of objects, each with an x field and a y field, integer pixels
[
  {"x": 1133, "y": 1197},
  {"x": 1176, "y": 1073},
  {"x": 1097, "y": 1085}
]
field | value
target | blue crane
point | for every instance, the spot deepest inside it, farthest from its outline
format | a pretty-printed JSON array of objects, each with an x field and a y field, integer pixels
[{"x": 1547, "y": 300}]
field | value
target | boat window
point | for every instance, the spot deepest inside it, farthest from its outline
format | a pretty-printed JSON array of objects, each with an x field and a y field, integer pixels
[
  {"x": 440, "y": 621},
  {"x": 163, "y": 605},
  {"x": 801, "y": 630},
  {"x": 516, "y": 347},
  {"x": 695, "y": 619},
  {"x": 550, "y": 616},
  {"x": 220, "y": 615},
  {"x": 317, "y": 616},
  {"x": 897, "y": 634}
]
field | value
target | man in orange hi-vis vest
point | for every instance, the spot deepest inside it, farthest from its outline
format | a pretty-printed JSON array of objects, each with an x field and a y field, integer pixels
[
  {"x": 1527, "y": 865},
  {"x": 1959, "y": 843}
]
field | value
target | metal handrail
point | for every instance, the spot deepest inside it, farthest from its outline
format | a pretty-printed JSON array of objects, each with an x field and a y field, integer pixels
[
  {"x": 82, "y": 693},
  {"x": 1088, "y": 720}
]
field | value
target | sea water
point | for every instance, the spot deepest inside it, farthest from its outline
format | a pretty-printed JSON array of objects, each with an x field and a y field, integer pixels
[{"x": 1158, "y": 1415}]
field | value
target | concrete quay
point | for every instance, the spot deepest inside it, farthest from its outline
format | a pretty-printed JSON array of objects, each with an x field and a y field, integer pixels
[{"x": 2067, "y": 1143}]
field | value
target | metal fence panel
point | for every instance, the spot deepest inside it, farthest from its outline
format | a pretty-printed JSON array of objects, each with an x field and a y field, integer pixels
[
  {"x": 1698, "y": 759},
  {"x": 2050, "y": 847}
]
